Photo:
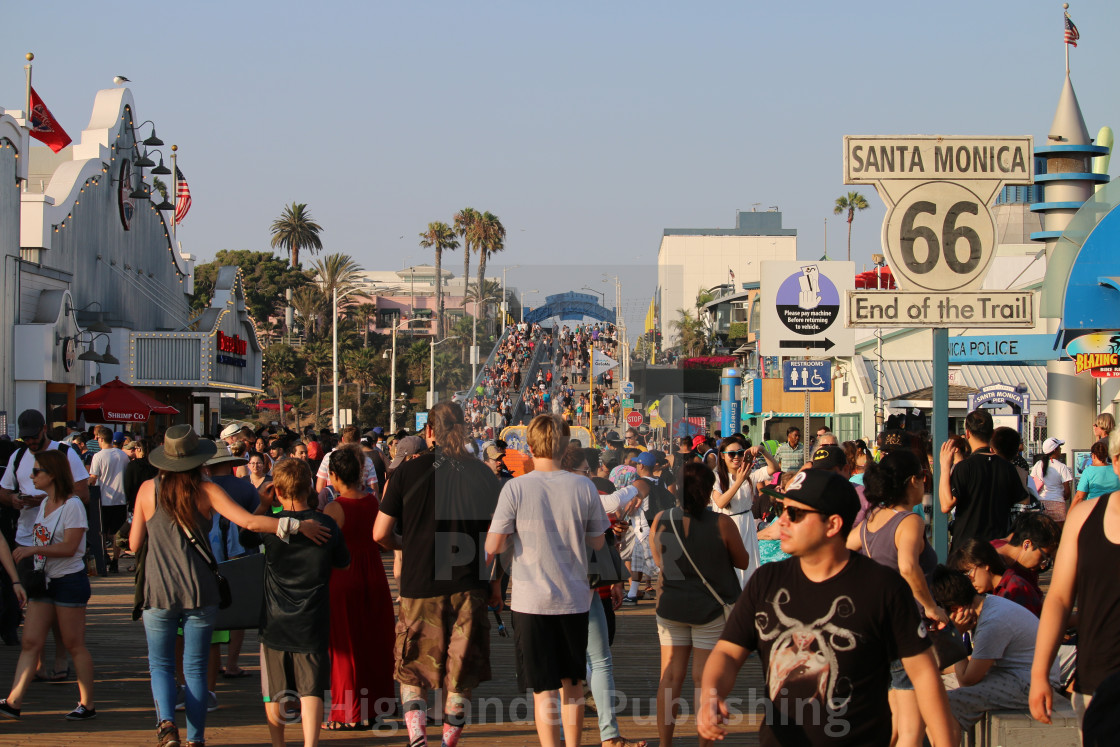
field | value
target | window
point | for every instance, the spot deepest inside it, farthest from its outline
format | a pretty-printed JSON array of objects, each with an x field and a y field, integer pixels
[{"x": 388, "y": 317}]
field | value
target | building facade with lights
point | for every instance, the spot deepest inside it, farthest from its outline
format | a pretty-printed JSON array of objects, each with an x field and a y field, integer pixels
[{"x": 95, "y": 287}]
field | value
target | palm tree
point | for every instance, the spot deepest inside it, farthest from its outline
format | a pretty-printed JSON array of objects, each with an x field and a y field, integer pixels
[
  {"x": 850, "y": 202},
  {"x": 490, "y": 239},
  {"x": 690, "y": 333},
  {"x": 467, "y": 223},
  {"x": 310, "y": 305},
  {"x": 361, "y": 368},
  {"x": 440, "y": 237},
  {"x": 703, "y": 298},
  {"x": 318, "y": 359},
  {"x": 336, "y": 271},
  {"x": 295, "y": 230},
  {"x": 365, "y": 314}
]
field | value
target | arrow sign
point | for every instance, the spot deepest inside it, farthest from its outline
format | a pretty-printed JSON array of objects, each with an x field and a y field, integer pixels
[{"x": 825, "y": 344}]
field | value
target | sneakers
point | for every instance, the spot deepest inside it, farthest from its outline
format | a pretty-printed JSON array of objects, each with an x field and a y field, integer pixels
[
  {"x": 167, "y": 734},
  {"x": 81, "y": 713},
  {"x": 181, "y": 700},
  {"x": 7, "y": 711},
  {"x": 629, "y": 601}
]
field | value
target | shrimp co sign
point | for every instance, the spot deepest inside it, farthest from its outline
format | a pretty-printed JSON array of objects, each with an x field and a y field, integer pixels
[{"x": 1098, "y": 354}]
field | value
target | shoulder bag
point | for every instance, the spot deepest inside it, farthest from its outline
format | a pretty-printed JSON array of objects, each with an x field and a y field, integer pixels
[
  {"x": 723, "y": 605},
  {"x": 605, "y": 566}
]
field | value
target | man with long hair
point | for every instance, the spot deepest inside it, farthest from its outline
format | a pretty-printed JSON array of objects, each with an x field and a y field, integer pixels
[{"x": 442, "y": 501}]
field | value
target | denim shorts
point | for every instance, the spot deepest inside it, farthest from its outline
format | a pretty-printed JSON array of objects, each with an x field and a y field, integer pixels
[
  {"x": 71, "y": 590},
  {"x": 899, "y": 679}
]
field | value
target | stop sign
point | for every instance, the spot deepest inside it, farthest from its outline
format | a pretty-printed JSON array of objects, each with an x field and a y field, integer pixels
[{"x": 634, "y": 418}]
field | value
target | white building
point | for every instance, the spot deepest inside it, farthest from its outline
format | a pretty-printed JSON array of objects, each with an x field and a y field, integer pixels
[{"x": 691, "y": 260}]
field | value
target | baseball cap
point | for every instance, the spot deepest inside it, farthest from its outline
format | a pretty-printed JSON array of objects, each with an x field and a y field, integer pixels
[
  {"x": 646, "y": 459},
  {"x": 612, "y": 437},
  {"x": 30, "y": 423},
  {"x": 407, "y": 447},
  {"x": 493, "y": 452},
  {"x": 119, "y": 437},
  {"x": 698, "y": 440},
  {"x": 1051, "y": 444},
  {"x": 829, "y": 456},
  {"x": 826, "y": 491}
]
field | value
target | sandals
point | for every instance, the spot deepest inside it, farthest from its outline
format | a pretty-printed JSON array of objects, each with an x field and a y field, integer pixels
[
  {"x": 342, "y": 726},
  {"x": 55, "y": 676},
  {"x": 624, "y": 742},
  {"x": 236, "y": 675}
]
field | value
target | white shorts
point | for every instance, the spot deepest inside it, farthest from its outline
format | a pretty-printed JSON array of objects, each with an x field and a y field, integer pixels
[{"x": 702, "y": 637}]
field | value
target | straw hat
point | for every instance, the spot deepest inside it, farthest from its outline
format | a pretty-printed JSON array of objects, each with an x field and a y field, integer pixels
[{"x": 182, "y": 450}]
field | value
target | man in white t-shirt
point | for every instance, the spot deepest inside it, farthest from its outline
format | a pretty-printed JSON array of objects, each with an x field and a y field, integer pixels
[
  {"x": 106, "y": 471},
  {"x": 18, "y": 492}
]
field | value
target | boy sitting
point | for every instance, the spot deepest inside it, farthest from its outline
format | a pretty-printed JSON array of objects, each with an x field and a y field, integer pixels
[
  {"x": 296, "y": 627},
  {"x": 997, "y": 676}
]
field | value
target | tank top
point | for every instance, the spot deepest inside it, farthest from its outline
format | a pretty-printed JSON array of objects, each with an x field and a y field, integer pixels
[
  {"x": 684, "y": 598},
  {"x": 176, "y": 577},
  {"x": 1098, "y": 599},
  {"x": 879, "y": 545}
]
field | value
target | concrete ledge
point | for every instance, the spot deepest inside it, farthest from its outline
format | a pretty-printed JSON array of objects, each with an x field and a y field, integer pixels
[{"x": 1018, "y": 729}]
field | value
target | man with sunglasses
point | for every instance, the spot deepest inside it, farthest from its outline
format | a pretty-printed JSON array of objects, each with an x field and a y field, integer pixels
[{"x": 826, "y": 622}]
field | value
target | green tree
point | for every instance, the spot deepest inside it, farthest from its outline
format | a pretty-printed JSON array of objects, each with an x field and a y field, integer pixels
[
  {"x": 160, "y": 186},
  {"x": 703, "y": 298},
  {"x": 295, "y": 230},
  {"x": 362, "y": 365},
  {"x": 336, "y": 271},
  {"x": 266, "y": 276},
  {"x": 850, "y": 203},
  {"x": 364, "y": 314},
  {"x": 439, "y": 237},
  {"x": 280, "y": 361},
  {"x": 310, "y": 306},
  {"x": 317, "y": 356},
  {"x": 490, "y": 239},
  {"x": 690, "y": 333},
  {"x": 467, "y": 223}
]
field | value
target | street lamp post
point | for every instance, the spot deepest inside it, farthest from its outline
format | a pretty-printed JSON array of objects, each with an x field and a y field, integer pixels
[
  {"x": 504, "y": 271},
  {"x": 603, "y": 301},
  {"x": 879, "y": 260},
  {"x": 334, "y": 353},
  {"x": 432, "y": 369},
  {"x": 523, "y": 303},
  {"x": 620, "y": 323}
]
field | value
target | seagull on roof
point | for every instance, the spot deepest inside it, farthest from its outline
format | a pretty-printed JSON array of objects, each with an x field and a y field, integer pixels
[{"x": 121, "y": 79}]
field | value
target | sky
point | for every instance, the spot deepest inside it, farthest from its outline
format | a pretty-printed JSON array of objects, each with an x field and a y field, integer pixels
[{"x": 587, "y": 127}]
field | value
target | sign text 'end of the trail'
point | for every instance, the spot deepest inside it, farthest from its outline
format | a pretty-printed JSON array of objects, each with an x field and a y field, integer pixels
[{"x": 919, "y": 309}]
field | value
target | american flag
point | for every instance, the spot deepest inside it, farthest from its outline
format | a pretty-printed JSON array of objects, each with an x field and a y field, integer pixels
[
  {"x": 182, "y": 197},
  {"x": 1072, "y": 34}
]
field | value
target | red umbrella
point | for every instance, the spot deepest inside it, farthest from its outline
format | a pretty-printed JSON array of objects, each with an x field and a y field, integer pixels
[{"x": 117, "y": 402}]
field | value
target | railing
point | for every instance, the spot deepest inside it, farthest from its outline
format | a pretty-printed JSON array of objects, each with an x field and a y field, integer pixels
[{"x": 529, "y": 379}]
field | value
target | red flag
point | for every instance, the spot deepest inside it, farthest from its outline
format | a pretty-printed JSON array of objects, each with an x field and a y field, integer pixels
[
  {"x": 182, "y": 197},
  {"x": 44, "y": 127}
]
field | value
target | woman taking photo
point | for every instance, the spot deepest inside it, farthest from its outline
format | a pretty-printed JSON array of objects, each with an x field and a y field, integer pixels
[
  {"x": 697, "y": 551},
  {"x": 362, "y": 624},
  {"x": 894, "y": 536},
  {"x": 733, "y": 493},
  {"x": 180, "y": 588},
  {"x": 60, "y": 532}
]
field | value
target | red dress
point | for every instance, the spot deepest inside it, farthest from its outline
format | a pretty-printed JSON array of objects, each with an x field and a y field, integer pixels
[{"x": 362, "y": 625}]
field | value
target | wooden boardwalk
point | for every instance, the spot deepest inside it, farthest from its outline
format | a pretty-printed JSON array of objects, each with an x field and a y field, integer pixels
[{"x": 126, "y": 716}]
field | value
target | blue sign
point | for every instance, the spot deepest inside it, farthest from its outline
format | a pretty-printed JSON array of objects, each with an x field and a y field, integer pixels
[
  {"x": 421, "y": 421},
  {"x": 1003, "y": 349},
  {"x": 807, "y": 376}
]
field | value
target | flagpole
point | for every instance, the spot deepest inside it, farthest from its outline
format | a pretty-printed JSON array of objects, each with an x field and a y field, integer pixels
[
  {"x": 27, "y": 97},
  {"x": 175, "y": 194},
  {"x": 1065, "y": 14}
]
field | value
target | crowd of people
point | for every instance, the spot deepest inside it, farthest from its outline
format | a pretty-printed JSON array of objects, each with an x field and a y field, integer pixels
[
  {"x": 824, "y": 567},
  {"x": 501, "y": 385}
]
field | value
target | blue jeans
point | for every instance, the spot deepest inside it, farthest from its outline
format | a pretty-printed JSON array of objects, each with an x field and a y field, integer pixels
[
  {"x": 602, "y": 671},
  {"x": 161, "y": 628}
]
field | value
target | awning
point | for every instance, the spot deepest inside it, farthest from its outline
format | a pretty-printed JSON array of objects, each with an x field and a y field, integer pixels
[
  {"x": 902, "y": 378},
  {"x": 117, "y": 402}
]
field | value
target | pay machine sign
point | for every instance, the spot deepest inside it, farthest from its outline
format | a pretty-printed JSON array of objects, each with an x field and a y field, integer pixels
[
  {"x": 938, "y": 235},
  {"x": 803, "y": 308}
]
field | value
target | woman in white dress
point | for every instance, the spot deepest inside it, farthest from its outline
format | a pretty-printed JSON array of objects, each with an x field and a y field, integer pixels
[{"x": 734, "y": 491}]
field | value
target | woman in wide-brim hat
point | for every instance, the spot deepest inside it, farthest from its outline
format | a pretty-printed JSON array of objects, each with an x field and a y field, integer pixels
[{"x": 180, "y": 588}]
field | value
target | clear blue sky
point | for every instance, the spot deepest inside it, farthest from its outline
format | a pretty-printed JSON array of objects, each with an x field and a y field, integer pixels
[{"x": 587, "y": 127}]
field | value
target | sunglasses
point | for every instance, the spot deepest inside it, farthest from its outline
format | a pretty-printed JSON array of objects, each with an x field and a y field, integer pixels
[
  {"x": 796, "y": 514},
  {"x": 35, "y": 471},
  {"x": 735, "y": 454}
]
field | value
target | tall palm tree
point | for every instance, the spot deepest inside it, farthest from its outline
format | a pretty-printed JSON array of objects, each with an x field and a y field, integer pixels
[
  {"x": 439, "y": 237},
  {"x": 361, "y": 368},
  {"x": 336, "y": 271},
  {"x": 467, "y": 223},
  {"x": 365, "y": 314},
  {"x": 318, "y": 359},
  {"x": 490, "y": 239},
  {"x": 850, "y": 202},
  {"x": 295, "y": 230}
]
